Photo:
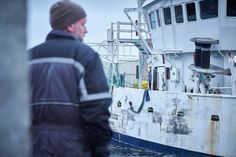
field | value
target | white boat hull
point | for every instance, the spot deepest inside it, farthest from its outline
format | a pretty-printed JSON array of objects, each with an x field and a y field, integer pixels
[{"x": 200, "y": 124}]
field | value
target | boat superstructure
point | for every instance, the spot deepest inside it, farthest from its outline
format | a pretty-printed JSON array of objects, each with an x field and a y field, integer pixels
[{"x": 188, "y": 57}]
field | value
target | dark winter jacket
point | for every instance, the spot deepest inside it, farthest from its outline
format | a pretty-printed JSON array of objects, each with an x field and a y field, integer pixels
[{"x": 69, "y": 98}]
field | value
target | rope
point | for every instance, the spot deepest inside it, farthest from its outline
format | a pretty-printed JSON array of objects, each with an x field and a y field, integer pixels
[{"x": 145, "y": 95}]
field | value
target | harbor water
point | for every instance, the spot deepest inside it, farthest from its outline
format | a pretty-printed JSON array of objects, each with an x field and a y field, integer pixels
[{"x": 124, "y": 151}]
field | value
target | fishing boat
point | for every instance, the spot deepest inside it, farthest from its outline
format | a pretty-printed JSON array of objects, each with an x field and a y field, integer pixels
[{"x": 184, "y": 100}]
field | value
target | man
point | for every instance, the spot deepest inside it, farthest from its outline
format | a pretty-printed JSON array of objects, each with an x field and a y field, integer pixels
[{"x": 69, "y": 92}]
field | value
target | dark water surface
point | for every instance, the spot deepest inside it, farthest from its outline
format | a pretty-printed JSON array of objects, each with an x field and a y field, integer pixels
[{"x": 123, "y": 151}]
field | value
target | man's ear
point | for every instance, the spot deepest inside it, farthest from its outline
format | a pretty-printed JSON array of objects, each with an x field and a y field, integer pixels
[{"x": 70, "y": 28}]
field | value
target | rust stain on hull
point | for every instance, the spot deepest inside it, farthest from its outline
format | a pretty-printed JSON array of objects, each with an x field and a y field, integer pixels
[{"x": 213, "y": 136}]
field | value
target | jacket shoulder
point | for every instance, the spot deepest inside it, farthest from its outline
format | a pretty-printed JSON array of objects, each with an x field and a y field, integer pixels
[{"x": 86, "y": 54}]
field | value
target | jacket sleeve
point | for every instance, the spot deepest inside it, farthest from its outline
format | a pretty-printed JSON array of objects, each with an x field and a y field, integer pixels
[{"x": 95, "y": 101}]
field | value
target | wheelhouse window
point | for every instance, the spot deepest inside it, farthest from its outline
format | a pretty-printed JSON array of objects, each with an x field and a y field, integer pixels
[
  {"x": 231, "y": 7},
  {"x": 191, "y": 12},
  {"x": 158, "y": 18},
  {"x": 152, "y": 20},
  {"x": 208, "y": 9},
  {"x": 167, "y": 15},
  {"x": 179, "y": 14}
]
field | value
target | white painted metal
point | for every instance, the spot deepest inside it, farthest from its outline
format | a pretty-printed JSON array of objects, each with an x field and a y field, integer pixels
[
  {"x": 177, "y": 35},
  {"x": 193, "y": 110},
  {"x": 193, "y": 131}
]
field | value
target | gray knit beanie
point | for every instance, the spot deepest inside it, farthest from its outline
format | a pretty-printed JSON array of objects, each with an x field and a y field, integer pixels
[{"x": 65, "y": 13}]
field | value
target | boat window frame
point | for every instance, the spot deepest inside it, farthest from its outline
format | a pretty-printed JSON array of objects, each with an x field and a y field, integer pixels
[
  {"x": 227, "y": 9},
  {"x": 187, "y": 13},
  {"x": 176, "y": 19},
  {"x": 152, "y": 19},
  {"x": 158, "y": 17},
  {"x": 205, "y": 8},
  {"x": 167, "y": 16}
]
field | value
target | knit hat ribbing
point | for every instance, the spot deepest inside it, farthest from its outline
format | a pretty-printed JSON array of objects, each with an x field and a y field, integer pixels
[{"x": 65, "y": 13}]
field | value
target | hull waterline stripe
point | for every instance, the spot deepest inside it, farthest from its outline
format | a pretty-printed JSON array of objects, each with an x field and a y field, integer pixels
[{"x": 156, "y": 147}]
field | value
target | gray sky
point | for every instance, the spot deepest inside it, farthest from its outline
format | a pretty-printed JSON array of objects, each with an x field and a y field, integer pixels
[{"x": 100, "y": 14}]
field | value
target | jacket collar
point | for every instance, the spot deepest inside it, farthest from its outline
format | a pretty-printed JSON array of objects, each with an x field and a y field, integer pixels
[{"x": 60, "y": 34}]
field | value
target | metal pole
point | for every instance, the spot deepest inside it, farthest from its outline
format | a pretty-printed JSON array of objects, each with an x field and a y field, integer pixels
[{"x": 14, "y": 102}]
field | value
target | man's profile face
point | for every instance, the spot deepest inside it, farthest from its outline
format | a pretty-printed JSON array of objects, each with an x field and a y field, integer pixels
[{"x": 78, "y": 29}]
